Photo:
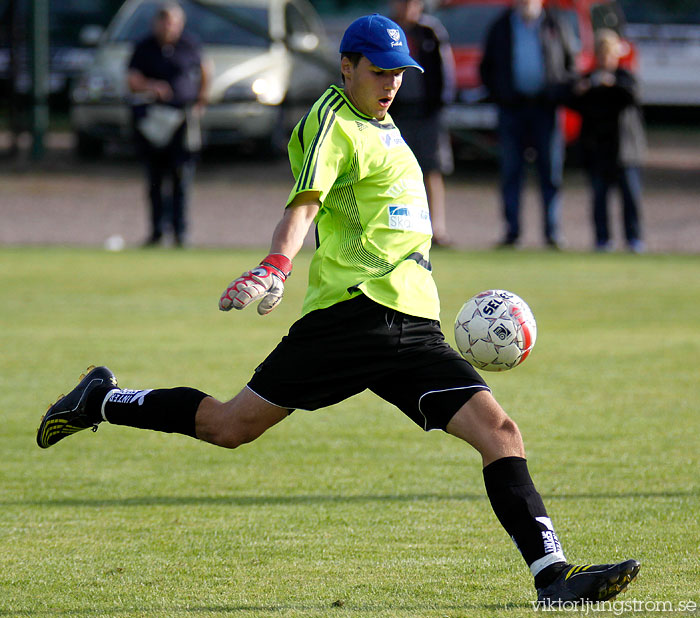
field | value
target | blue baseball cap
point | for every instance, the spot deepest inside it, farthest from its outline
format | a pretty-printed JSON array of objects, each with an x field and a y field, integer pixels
[{"x": 380, "y": 40}]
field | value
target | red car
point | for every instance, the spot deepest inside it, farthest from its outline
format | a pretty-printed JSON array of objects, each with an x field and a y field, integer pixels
[{"x": 472, "y": 119}]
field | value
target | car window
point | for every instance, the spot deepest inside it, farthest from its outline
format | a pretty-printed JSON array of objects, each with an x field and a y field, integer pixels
[
  {"x": 295, "y": 21},
  {"x": 468, "y": 24},
  {"x": 662, "y": 11},
  {"x": 242, "y": 26}
]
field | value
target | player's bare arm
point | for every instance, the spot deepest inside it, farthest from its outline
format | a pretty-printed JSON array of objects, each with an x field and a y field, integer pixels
[
  {"x": 294, "y": 225},
  {"x": 266, "y": 281}
]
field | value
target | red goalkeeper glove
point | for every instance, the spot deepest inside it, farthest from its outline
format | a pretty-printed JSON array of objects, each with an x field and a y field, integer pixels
[{"x": 265, "y": 281}]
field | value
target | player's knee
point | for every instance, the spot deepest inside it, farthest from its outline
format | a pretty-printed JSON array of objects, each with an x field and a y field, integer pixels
[
  {"x": 507, "y": 437},
  {"x": 509, "y": 429},
  {"x": 501, "y": 430}
]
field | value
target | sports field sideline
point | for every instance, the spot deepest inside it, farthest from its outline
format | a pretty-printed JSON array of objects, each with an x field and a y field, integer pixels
[{"x": 238, "y": 199}]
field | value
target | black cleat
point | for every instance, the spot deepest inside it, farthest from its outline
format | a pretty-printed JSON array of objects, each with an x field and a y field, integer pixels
[
  {"x": 589, "y": 582},
  {"x": 68, "y": 415}
]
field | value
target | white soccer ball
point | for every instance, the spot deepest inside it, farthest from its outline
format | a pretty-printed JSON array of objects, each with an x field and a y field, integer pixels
[{"x": 495, "y": 330}]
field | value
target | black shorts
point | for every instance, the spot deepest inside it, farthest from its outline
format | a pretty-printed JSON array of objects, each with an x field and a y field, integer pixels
[{"x": 332, "y": 354}]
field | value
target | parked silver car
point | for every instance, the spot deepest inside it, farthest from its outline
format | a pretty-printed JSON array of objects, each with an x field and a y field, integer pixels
[
  {"x": 269, "y": 59},
  {"x": 667, "y": 38}
]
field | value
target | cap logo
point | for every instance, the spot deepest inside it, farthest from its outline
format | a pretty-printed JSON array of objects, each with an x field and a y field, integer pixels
[{"x": 395, "y": 37}]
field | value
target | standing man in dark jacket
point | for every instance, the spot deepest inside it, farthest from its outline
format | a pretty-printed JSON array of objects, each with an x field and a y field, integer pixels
[
  {"x": 528, "y": 68},
  {"x": 418, "y": 106},
  {"x": 169, "y": 80}
]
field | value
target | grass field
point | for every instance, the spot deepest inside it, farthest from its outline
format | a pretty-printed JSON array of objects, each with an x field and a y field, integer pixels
[{"x": 349, "y": 511}]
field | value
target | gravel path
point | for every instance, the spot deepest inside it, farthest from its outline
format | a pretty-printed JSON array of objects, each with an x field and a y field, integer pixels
[{"x": 237, "y": 200}]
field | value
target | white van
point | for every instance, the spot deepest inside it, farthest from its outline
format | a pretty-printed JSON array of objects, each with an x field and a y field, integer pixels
[{"x": 667, "y": 38}]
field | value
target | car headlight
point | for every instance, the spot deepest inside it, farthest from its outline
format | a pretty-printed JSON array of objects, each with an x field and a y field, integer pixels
[
  {"x": 260, "y": 86},
  {"x": 267, "y": 90}
]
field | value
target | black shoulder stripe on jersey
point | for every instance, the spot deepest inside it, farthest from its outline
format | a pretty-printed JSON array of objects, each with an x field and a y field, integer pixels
[
  {"x": 330, "y": 99},
  {"x": 325, "y": 133},
  {"x": 300, "y": 130},
  {"x": 331, "y": 96},
  {"x": 325, "y": 108},
  {"x": 326, "y": 117}
]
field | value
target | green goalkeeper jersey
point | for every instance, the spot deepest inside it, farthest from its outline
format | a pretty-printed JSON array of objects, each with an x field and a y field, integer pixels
[{"x": 373, "y": 227}]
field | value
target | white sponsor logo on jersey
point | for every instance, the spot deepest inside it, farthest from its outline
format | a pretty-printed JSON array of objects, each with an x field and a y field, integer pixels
[
  {"x": 392, "y": 139},
  {"x": 409, "y": 218}
]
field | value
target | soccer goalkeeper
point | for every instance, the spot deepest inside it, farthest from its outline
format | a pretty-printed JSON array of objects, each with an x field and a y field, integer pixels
[{"x": 369, "y": 320}]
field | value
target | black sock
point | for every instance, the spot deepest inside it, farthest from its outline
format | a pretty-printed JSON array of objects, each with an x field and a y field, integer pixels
[
  {"x": 93, "y": 405},
  {"x": 520, "y": 510},
  {"x": 171, "y": 410}
]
